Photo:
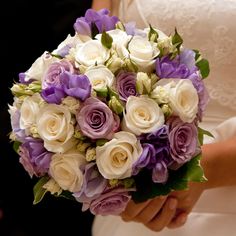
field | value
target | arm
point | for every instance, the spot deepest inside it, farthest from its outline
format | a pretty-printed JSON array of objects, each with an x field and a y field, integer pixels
[{"x": 99, "y": 4}]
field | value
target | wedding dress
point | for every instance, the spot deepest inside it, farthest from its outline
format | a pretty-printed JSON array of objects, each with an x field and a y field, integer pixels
[{"x": 207, "y": 25}]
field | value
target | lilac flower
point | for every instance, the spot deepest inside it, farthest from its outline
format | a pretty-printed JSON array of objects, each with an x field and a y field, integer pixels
[
  {"x": 55, "y": 70},
  {"x": 101, "y": 19},
  {"x": 77, "y": 86},
  {"x": 110, "y": 203},
  {"x": 182, "y": 66},
  {"x": 96, "y": 120},
  {"x": 126, "y": 85},
  {"x": 62, "y": 52},
  {"x": 93, "y": 185},
  {"x": 34, "y": 157},
  {"x": 183, "y": 140},
  {"x": 160, "y": 172},
  {"x": 53, "y": 95},
  {"x": 22, "y": 80}
]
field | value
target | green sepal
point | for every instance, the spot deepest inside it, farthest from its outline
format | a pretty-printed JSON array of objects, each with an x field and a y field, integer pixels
[
  {"x": 177, "y": 40},
  {"x": 38, "y": 189},
  {"x": 201, "y": 133},
  {"x": 203, "y": 66},
  {"x": 102, "y": 92},
  {"x": 16, "y": 146},
  {"x": 101, "y": 142},
  {"x": 106, "y": 40},
  {"x": 152, "y": 35}
]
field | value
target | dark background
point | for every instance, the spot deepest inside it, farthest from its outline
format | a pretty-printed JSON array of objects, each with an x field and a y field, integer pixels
[{"x": 28, "y": 28}]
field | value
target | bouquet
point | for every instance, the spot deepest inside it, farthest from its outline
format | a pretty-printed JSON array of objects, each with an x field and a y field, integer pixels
[{"x": 111, "y": 114}]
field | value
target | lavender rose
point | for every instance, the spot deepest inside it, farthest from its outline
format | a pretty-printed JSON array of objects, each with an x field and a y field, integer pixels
[
  {"x": 34, "y": 157},
  {"x": 181, "y": 66},
  {"x": 183, "y": 140},
  {"x": 110, "y": 203},
  {"x": 77, "y": 86},
  {"x": 96, "y": 120},
  {"x": 126, "y": 85},
  {"x": 100, "y": 19},
  {"x": 53, "y": 73}
]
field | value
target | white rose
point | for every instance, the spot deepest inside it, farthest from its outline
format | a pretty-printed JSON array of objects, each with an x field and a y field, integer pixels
[
  {"x": 91, "y": 53},
  {"x": 38, "y": 68},
  {"x": 65, "y": 170},
  {"x": 116, "y": 157},
  {"x": 183, "y": 98},
  {"x": 142, "y": 52},
  {"x": 143, "y": 115},
  {"x": 100, "y": 77},
  {"x": 29, "y": 111},
  {"x": 55, "y": 128},
  {"x": 119, "y": 37}
]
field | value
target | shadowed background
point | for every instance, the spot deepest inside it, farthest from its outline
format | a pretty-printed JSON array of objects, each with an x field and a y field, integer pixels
[{"x": 28, "y": 28}]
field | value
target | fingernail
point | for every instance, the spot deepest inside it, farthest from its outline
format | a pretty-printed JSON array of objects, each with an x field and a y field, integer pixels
[{"x": 173, "y": 204}]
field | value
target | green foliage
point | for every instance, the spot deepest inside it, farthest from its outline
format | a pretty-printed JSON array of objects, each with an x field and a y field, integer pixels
[
  {"x": 38, "y": 189},
  {"x": 106, "y": 40},
  {"x": 16, "y": 146},
  {"x": 201, "y": 133},
  {"x": 178, "y": 180},
  {"x": 152, "y": 35},
  {"x": 94, "y": 30},
  {"x": 203, "y": 66},
  {"x": 177, "y": 40}
]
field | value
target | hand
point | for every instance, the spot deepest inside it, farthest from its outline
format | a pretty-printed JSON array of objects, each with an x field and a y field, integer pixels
[
  {"x": 156, "y": 213},
  {"x": 186, "y": 201}
]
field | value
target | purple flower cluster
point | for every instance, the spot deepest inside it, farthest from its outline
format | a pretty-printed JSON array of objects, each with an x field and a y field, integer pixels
[{"x": 99, "y": 19}]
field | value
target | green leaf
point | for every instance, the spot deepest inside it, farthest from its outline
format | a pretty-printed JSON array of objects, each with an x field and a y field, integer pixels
[
  {"x": 112, "y": 93},
  {"x": 66, "y": 194},
  {"x": 194, "y": 171},
  {"x": 152, "y": 35},
  {"x": 106, "y": 40},
  {"x": 197, "y": 54},
  {"x": 201, "y": 133},
  {"x": 94, "y": 30},
  {"x": 16, "y": 146},
  {"x": 203, "y": 66},
  {"x": 177, "y": 40},
  {"x": 38, "y": 189}
]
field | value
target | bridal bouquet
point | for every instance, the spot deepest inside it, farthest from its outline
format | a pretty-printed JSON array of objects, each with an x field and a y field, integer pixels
[{"x": 111, "y": 114}]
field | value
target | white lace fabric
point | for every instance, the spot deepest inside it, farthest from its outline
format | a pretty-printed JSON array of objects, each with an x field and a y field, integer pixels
[{"x": 206, "y": 25}]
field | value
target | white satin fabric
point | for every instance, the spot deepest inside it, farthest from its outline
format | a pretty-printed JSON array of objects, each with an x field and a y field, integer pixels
[{"x": 207, "y": 25}]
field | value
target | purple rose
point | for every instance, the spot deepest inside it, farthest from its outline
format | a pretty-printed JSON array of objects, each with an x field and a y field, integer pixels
[
  {"x": 96, "y": 119},
  {"x": 126, "y": 85},
  {"x": 77, "y": 86},
  {"x": 34, "y": 157},
  {"x": 183, "y": 138},
  {"x": 110, "y": 203},
  {"x": 182, "y": 66},
  {"x": 52, "y": 75},
  {"x": 93, "y": 184},
  {"x": 202, "y": 93},
  {"x": 53, "y": 95},
  {"x": 100, "y": 19}
]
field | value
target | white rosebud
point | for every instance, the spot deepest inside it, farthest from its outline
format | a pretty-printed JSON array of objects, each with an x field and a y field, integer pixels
[
  {"x": 143, "y": 83},
  {"x": 81, "y": 146},
  {"x": 65, "y": 169},
  {"x": 91, "y": 154},
  {"x": 115, "y": 158},
  {"x": 71, "y": 103},
  {"x": 53, "y": 187},
  {"x": 143, "y": 115},
  {"x": 160, "y": 95}
]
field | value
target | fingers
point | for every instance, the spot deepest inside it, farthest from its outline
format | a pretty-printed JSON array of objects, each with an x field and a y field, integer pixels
[
  {"x": 178, "y": 221},
  {"x": 160, "y": 221}
]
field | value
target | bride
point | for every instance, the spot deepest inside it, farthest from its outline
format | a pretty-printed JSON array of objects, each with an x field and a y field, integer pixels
[{"x": 210, "y": 208}]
